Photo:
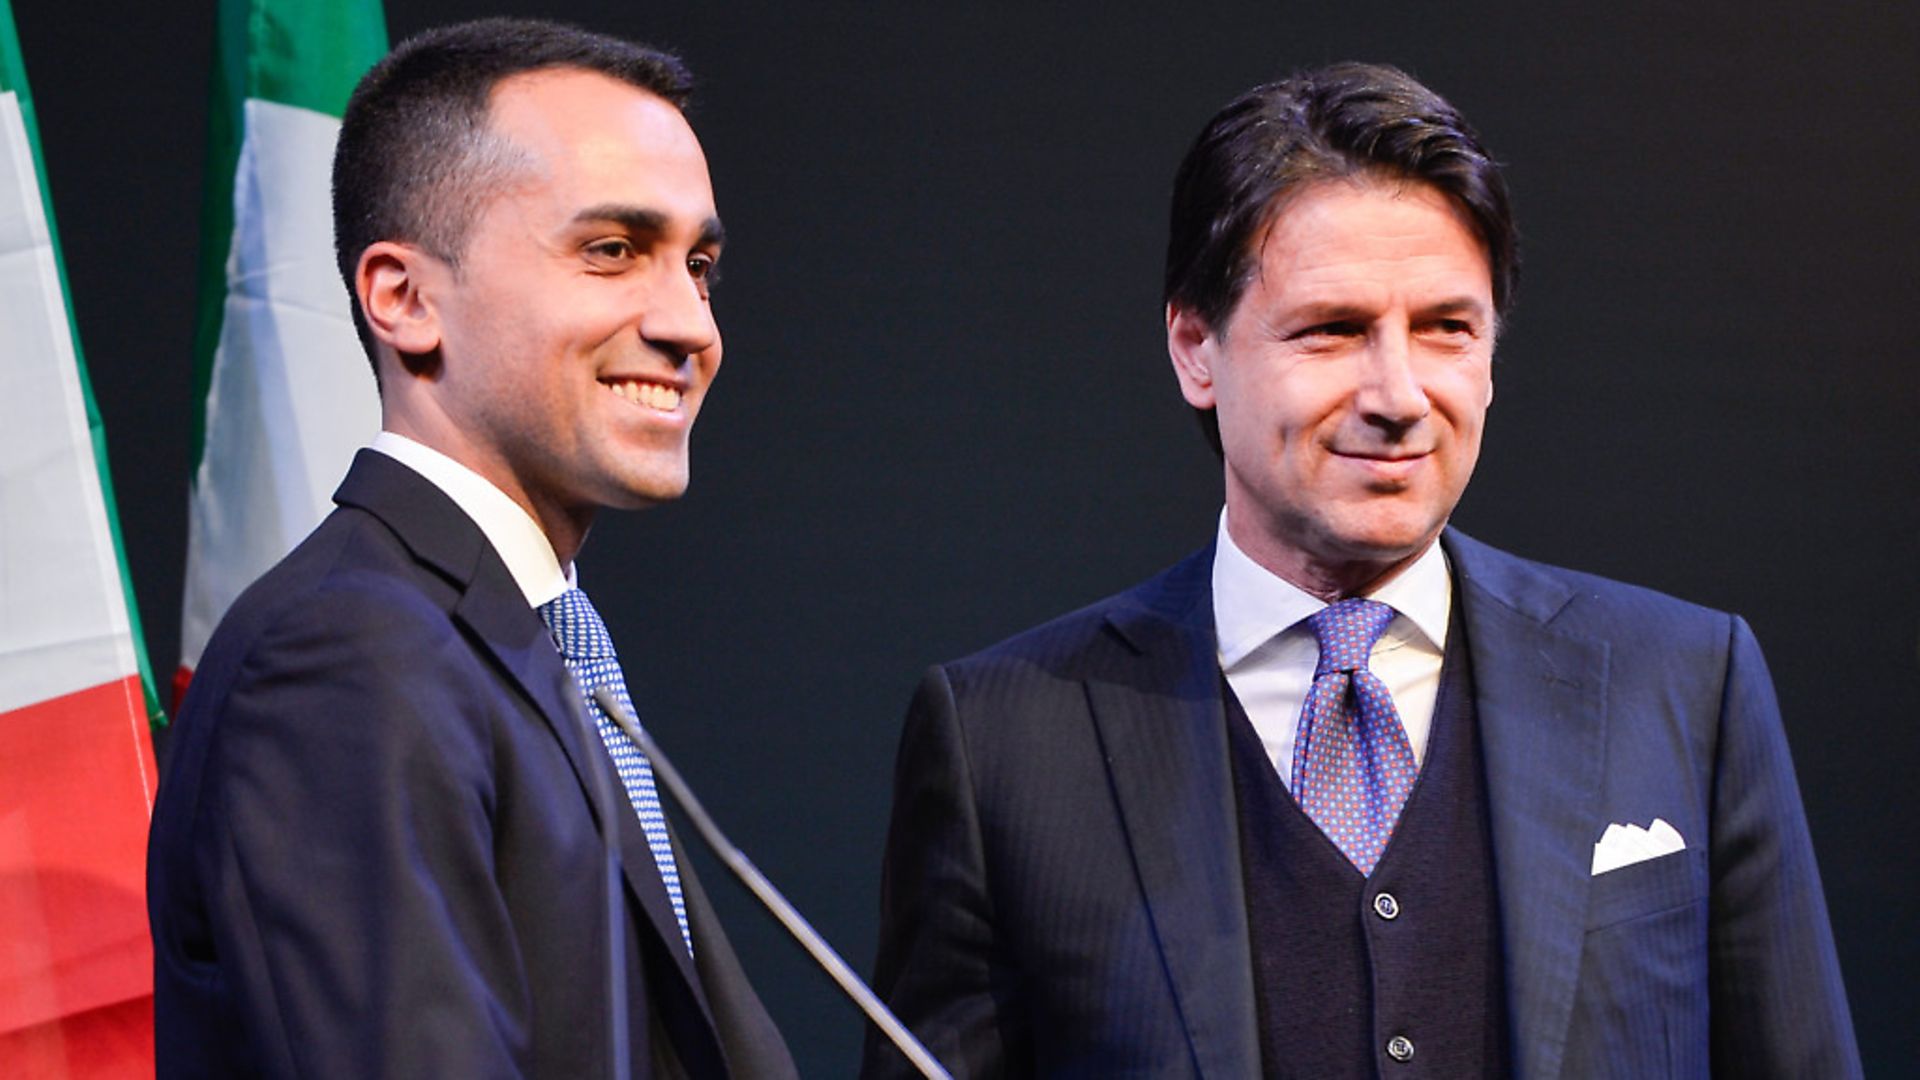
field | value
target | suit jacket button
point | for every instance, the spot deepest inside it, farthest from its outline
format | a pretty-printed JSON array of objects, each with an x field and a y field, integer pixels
[
  {"x": 1385, "y": 906},
  {"x": 1400, "y": 1048}
]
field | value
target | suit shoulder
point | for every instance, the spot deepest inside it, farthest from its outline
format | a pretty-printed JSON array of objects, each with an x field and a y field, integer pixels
[
  {"x": 351, "y": 581},
  {"x": 1627, "y": 615},
  {"x": 1056, "y": 639},
  {"x": 345, "y": 657}
]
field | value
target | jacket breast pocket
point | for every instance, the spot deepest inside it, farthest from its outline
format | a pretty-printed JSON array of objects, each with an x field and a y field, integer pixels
[
  {"x": 1646, "y": 888},
  {"x": 1640, "y": 1010}
]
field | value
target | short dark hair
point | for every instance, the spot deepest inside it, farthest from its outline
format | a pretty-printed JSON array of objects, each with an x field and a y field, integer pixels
[
  {"x": 416, "y": 161},
  {"x": 1343, "y": 121}
]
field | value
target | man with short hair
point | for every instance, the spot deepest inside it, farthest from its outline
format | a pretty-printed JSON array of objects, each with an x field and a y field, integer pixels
[
  {"x": 1347, "y": 793},
  {"x": 397, "y": 837}
]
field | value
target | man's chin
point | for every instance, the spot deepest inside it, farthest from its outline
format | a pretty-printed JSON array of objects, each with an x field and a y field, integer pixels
[
  {"x": 642, "y": 491},
  {"x": 642, "y": 499}
]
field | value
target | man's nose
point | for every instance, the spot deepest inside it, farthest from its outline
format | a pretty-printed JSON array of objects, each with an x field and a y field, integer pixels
[
  {"x": 678, "y": 318},
  {"x": 1390, "y": 394}
]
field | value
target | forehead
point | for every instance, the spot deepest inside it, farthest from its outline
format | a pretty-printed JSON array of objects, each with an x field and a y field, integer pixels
[
  {"x": 593, "y": 138},
  {"x": 1406, "y": 236}
]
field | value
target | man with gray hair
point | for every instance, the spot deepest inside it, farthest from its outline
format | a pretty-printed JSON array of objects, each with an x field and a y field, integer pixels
[
  {"x": 388, "y": 843},
  {"x": 1347, "y": 793}
]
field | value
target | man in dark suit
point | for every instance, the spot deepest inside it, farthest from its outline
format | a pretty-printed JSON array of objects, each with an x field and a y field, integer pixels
[
  {"x": 1347, "y": 793},
  {"x": 391, "y": 841}
]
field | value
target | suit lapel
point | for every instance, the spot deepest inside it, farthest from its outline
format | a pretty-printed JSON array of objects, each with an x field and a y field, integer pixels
[
  {"x": 492, "y": 607},
  {"x": 1162, "y": 727},
  {"x": 520, "y": 641},
  {"x": 746, "y": 1037},
  {"x": 1540, "y": 691},
  {"x": 1541, "y": 696}
]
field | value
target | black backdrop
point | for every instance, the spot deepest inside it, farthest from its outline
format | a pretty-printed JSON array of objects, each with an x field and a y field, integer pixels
[{"x": 946, "y": 412}]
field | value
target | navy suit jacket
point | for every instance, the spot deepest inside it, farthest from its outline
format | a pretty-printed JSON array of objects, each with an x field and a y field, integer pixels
[
  {"x": 1062, "y": 890},
  {"x": 377, "y": 849}
]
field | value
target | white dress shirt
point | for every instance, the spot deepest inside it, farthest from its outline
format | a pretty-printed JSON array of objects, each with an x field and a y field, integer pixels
[
  {"x": 519, "y": 540},
  {"x": 1268, "y": 654}
]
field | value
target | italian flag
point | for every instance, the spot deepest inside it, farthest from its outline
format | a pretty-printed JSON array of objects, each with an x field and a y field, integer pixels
[
  {"x": 76, "y": 758},
  {"x": 286, "y": 394}
]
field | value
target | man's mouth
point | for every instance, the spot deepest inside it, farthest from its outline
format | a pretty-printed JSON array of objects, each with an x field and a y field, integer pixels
[
  {"x": 652, "y": 395},
  {"x": 1393, "y": 468},
  {"x": 1388, "y": 457}
]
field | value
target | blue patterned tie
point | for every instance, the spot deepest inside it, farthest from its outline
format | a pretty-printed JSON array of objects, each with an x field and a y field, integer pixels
[
  {"x": 587, "y": 649},
  {"x": 1352, "y": 764}
]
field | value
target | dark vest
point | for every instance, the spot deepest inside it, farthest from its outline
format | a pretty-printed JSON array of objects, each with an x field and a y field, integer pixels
[{"x": 1343, "y": 964}]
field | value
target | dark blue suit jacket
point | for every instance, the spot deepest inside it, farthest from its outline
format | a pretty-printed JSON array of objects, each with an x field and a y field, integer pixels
[
  {"x": 376, "y": 849},
  {"x": 1062, "y": 891}
]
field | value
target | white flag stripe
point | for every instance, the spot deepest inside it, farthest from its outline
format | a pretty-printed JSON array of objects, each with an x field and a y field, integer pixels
[
  {"x": 291, "y": 397},
  {"x": 283, "y": 210},
  {"x": 66, "y": 625}
]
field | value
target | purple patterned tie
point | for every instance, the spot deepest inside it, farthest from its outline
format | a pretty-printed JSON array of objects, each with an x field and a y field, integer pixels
[{"x": 1352, "y": 764}]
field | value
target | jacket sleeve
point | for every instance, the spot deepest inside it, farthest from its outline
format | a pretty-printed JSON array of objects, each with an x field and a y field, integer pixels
[
  {"x": 938, "y": 965},
  {"x": 344, "y": 842},
  {"x": 1777, "y": 1004}
]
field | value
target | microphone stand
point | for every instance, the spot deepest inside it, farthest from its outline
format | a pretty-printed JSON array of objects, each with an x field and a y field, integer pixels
[
  {"x": 756, "y": 882},
  {"x": 620, "y": 1054}
]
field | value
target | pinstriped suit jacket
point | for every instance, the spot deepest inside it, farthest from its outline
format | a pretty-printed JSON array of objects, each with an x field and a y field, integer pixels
[{"x": 1062, "y": 892}]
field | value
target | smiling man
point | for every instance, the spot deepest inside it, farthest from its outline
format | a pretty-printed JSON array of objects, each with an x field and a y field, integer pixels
[
  {"x": 1347, "y": 793},
  {"x": 396, "y": 837}
]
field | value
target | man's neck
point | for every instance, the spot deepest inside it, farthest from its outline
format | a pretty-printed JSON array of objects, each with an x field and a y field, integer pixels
[
  {"x": 566, "y": 530},
  {"x": 515, "y": 533}
]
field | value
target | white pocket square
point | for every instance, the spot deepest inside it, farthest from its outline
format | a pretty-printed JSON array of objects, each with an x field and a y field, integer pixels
[{"x": 1624, "y": 845}]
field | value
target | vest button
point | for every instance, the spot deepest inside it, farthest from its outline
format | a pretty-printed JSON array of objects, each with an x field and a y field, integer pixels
[
  {"x": 1385, "y": 906},
  {"x": 1400, "y": 1048}
]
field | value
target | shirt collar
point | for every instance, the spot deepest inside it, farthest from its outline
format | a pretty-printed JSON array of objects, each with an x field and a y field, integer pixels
[
  {"x": 507, "y": 526},
  {"x": 1251, "y": 604}
]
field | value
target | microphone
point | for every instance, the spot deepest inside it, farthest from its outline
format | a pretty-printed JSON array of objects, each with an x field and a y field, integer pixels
[{"x": 757, "y": 883}]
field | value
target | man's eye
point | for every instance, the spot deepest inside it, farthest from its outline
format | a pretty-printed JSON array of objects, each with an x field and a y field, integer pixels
[
  {"x": 613, "y": 248},
  {"x": 1331, "y": 330},
  {"x": 705, "y": 270}
]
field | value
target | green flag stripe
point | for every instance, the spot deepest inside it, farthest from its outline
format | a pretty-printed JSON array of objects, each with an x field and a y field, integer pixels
[
  {"x": 13, "y": 73},
  {"x": 294, "y": 52},
  {"x": 309, "y": 54},
  {"x": 229, "y": 93},
  {"x": 13, "y": 77}
]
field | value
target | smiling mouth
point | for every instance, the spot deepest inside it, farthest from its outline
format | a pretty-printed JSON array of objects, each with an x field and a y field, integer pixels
[
  {"x": 1387, "y": 473},
  {"x": 1383, "y": 459},
  {"x": 648, "y": 394}
]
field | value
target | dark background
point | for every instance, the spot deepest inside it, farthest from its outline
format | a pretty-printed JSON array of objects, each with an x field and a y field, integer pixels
[{"x": 946, "y": 411}]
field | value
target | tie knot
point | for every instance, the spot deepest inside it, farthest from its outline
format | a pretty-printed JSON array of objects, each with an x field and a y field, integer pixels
[
  {"x": 1346, "y": 632},
  {"x": 576, "y": 626}
]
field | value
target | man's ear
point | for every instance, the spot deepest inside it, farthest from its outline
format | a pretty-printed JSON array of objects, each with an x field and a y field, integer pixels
[
  {"x": 389, "y": 280},
  {"x": 1194, "y": 349}
]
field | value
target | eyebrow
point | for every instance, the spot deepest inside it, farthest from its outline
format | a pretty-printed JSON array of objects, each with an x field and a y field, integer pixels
[
  {"x": 1463, "y": 305},
  {"x": 1334, "y": 311},
  {"x": 1328, "y": 312},
  {"x": 639, "y": 219}
]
